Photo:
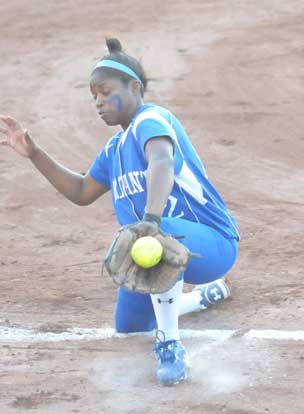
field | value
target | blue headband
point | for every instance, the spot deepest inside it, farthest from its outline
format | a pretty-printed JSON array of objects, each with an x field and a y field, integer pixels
[{"x": 118, "y": 66}]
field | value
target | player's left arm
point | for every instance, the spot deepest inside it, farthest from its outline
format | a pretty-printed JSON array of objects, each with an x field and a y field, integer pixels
[{"x": 160, "y": 173}]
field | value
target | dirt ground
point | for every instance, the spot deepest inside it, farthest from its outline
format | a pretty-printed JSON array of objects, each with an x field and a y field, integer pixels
[{"x": 233, "y": 72}]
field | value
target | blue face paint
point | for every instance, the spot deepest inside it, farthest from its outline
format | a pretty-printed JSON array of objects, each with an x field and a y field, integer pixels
[{"x": 115, "y": 99}]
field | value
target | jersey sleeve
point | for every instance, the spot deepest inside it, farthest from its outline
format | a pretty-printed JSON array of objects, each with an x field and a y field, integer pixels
[
  {"x": 154, "y": 125},
  {"x": 99, "y": 169}
]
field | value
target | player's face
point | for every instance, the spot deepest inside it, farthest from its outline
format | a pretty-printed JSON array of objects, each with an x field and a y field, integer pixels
[{"x": 116, "y": 102}]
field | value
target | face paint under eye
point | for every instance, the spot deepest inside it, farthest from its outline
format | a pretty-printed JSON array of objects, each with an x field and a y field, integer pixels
[{"x": 115, "y": 99}]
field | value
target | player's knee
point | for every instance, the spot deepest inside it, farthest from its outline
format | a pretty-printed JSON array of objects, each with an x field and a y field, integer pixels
[
  {"x": 129, "y": 324},
  {"x": 134, "y": 312}
]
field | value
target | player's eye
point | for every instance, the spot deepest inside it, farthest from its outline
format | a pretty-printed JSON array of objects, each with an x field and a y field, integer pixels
[{"x": 106, "y": 92}]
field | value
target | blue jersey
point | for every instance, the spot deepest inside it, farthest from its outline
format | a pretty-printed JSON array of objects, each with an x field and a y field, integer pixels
[{"x": 121, "y": 165}]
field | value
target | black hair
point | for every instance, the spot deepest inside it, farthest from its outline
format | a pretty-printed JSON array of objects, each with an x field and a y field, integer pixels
[{"x": 117, "y": 54}]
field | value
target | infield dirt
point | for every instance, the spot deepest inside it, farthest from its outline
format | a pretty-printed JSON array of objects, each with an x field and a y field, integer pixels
[{"x": 233, "y": 72}]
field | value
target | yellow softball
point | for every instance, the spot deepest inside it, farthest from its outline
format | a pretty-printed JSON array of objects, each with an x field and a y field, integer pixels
[{"x": 147, "y": 251}]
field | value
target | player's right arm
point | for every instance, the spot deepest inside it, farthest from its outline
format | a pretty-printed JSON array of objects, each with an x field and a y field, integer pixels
[{"x": 81, "y": 190}]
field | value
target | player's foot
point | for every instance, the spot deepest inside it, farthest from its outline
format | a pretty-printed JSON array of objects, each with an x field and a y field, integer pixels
[
  {"x": 213, "y": 292},
  {"x": 173, "y": 362}
]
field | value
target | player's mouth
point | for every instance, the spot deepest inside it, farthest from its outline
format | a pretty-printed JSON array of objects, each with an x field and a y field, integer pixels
[
  {"x": 102, "y": 114},
  {"x": 108, "y": 117}
]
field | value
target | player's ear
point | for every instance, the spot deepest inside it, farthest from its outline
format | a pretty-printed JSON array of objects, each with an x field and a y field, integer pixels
[{"x": 135, "y": 87}]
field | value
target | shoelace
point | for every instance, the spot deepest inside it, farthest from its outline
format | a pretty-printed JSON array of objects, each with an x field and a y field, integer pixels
[{"x": 165, "y": 349}]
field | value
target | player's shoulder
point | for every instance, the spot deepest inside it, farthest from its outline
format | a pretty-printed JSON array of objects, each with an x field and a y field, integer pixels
[
  {"x": 111, "y": 145},
  {"x": 150, "y": 109},
  {"x": 152, "y": 113},
  {"x": 115, "y": 138}
]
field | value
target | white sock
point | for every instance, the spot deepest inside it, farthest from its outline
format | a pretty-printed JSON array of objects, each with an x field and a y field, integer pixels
[
  {"x": 166, "y": 308},
  {"x": 190, "y": 302}
]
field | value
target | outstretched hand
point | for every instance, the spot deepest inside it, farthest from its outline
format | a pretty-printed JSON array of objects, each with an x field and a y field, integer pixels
[{"x": 16, "y": 137}]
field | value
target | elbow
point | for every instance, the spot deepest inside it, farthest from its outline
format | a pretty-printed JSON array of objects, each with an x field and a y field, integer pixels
[
  {"x": 82, "y": 202},
  {"x": 80, "y": 196},
  {"x": 166, "y": 167},
  {"x": 165, "y": 163}
]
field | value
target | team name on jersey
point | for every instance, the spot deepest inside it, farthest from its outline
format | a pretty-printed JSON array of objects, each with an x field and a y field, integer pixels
[{"x": 128, "y": 184}]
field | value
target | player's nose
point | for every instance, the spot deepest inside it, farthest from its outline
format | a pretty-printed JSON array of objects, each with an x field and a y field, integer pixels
[{"x": 99, "y": 101}]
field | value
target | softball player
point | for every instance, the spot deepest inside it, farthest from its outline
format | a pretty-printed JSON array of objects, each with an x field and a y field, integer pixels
[{"x": 154, "y": 173}]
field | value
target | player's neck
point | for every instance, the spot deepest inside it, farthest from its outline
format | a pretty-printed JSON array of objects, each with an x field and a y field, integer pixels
[{"x": 125, "y": 124}]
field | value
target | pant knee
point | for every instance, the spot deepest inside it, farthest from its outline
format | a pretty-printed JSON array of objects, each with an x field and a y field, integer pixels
[{"x": 134, "y": 312}]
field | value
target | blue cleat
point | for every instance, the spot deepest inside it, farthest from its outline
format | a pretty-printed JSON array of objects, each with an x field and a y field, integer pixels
[
  {"x": 213, "y": 292},
  {"x": 173, "y": 364}
]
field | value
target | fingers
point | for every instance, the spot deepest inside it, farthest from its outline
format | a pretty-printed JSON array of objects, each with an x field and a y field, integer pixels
[
  {"x": 9, "y": 121},
  {"x": 4, "y": 142},
  {"x": 4, "y": 131}
]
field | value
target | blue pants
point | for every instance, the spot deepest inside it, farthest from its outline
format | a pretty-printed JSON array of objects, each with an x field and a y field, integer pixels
[{"x": 134, "y": 311}]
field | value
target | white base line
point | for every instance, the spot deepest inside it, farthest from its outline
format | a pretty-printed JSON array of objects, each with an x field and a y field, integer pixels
[{"x": 8, "y": 334}]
